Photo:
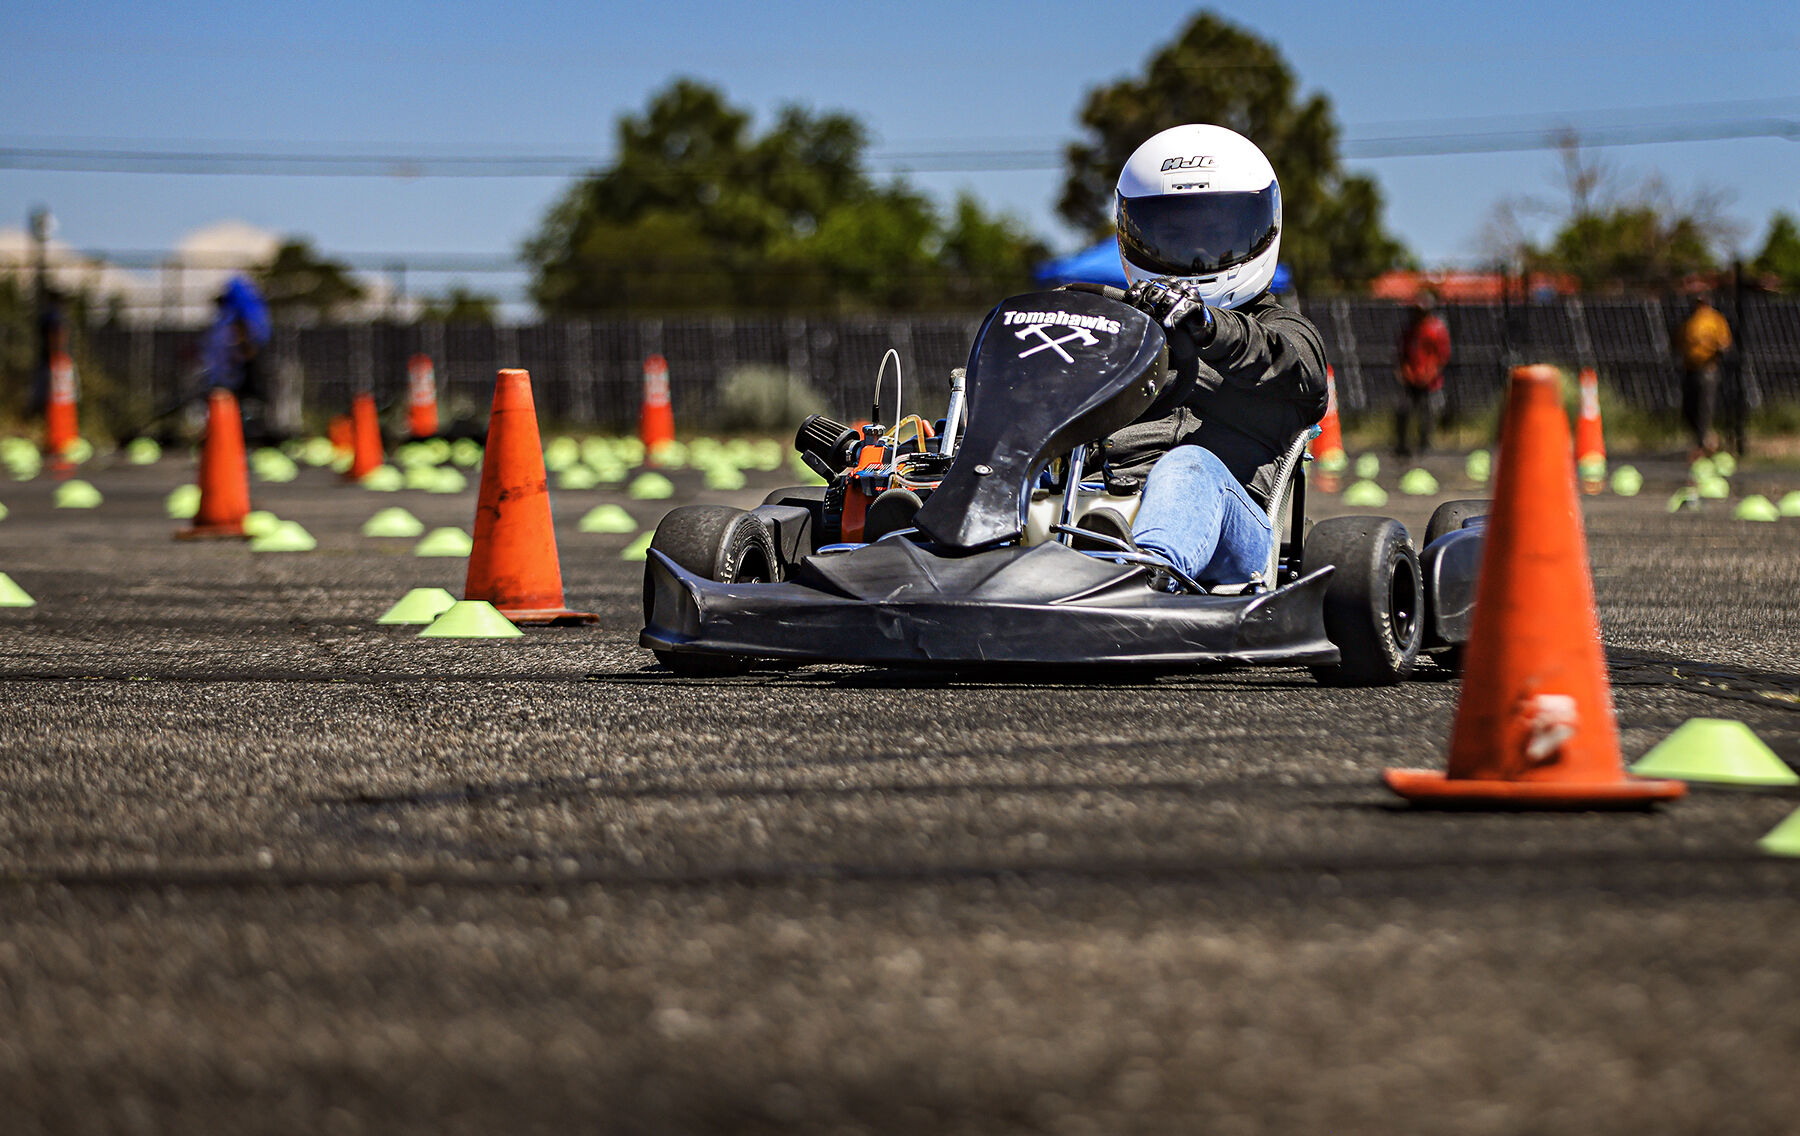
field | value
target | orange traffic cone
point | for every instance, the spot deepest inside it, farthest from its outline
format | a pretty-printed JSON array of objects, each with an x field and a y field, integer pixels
[
  {"x": 421, "y": 404},
  {"x": 365, "y": 437},
  {"x": 514, "y": 565},
  {"x": 1590, "y": 439},
  {"x": 1535, "y": 727},
  {"x": 656, "y": 422},
  {"x": 224, "y": 475},
  {"x": 1328, "y": 448},
  {"x": 61, "y": 427}
]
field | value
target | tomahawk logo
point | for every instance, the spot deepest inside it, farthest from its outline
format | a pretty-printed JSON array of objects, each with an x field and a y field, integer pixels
[{"x": 1086, "y": 337}]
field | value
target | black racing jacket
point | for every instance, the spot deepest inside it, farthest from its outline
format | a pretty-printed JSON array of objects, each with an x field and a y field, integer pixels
[{"x": 1257, "y": 379}]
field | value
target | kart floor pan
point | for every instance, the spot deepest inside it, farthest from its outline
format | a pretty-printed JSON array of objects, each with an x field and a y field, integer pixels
[{"x": 894, "y": 603}]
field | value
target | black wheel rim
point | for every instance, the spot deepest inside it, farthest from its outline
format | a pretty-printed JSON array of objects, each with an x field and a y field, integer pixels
[{"x": 1403, "y": 602}]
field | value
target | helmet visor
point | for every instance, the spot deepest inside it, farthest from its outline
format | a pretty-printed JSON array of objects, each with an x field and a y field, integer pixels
[{"x": 1198, "y": 234}]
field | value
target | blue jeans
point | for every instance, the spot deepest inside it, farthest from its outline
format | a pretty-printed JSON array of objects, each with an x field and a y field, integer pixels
[{"x": 1196, "y": 515}]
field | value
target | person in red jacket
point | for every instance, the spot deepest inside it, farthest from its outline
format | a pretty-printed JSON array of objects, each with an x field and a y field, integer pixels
[{"x": 1424, "y": 351}]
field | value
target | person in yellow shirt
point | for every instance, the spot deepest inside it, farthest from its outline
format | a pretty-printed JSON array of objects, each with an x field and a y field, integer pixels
[{"x": 1701, "y": 342}]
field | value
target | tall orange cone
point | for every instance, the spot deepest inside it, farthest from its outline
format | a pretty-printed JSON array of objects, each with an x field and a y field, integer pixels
[
  {"x": 656, "y": 422},
  {"x": 224, "y": 475},
  {"x": 421, "y": 401},
  {"x": 365, "y": 437},
  {"x": 1535, "y": 727},
  {"x": 514, "y": 564},
  {"x": 61, "y": 426},
  {"x": 1590, "y": 439},
  {"x": 1328, "y": 448}
]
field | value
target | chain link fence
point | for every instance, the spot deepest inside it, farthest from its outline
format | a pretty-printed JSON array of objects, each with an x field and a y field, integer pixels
[{"x": 588, "y": 373}]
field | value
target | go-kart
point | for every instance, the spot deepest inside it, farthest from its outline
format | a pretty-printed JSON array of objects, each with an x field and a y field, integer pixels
[{"x": 1000, "y": 535}]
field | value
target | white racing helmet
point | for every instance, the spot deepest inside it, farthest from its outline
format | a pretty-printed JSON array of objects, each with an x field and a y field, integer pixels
[{"x": 1201, "y": 203}]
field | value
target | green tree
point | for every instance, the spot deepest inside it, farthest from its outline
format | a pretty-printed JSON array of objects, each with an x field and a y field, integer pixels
[
  {"x": 303, "y": 286},
  {"x": 459, "y": 305},
  {"x": 1780, "y": 255},
  {"x": 1216, "y": 72},
  {"x": 1610, "y": 234},
  {"x": 698, "y": 212}
]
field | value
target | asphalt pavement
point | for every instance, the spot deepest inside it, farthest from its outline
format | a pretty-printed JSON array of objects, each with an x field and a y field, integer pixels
[{"x": 268, "y": 866}]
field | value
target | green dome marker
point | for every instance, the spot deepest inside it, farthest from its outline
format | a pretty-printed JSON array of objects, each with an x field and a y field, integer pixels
[
  {"x": 1592, "y": 469},
  {"x": 1784, "y": 838},
  {"x": 1365, "y": 495},
  {"x": 471, "y": 619},
  {"x": 576, "y": 478},
  {"x": 1713, "y": 488},
  {"x": 1479, "y": 466},
  {"x": 445, "y": 542},
  {"x": 725, "y": 478},
  {"x": 1789, "y": 506},
  {"x": 1418, "y": 482},
  {"x": 671, "y": 455},
  {"x": 1368, "y": 466},
  {"x": 651, "y": 487},
  {"x": 1756, "y": 507},
  {"x": 1724, "y": 465},
  {"x": 465, "y": 452},
  {"x": 11, "y": 595},
  {"x": 273, "y": 465},
  {"x": 76, "y": 494},
  {"x": 561, "y": 453},
  {"x": 287, "y": 536},
  {"x": 607, "y": 519},
  {"x": 393, "y": 521},
  {"x": 420, "y": 476},
  {"x": 78, "y": 451},
  {"x": 143, "y": 451},
  {"x": 1702, "y": 468},
  {"x": 1686, "y": 497},
  {"x": 1718, "y": 750},
  {"x": 317, "y": 452},
  {"x": 419, "y": 607},
  {"x": 638, "y": 549},
  {"x": 182, "y": 502},
  {"x": 448, "y": 480},
  {"x": 1627, "y": 481},
  {"x": 260, "y": 522},
  {"x": 3, "y": 511},
  {"x": 384, "y": 479}
]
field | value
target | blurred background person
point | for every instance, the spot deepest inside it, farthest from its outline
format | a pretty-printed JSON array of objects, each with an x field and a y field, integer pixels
[
  {"x": 1701, "y": 342},
  {"x": 232, "y": 351},
  {"x": 1424, "y": 352}
]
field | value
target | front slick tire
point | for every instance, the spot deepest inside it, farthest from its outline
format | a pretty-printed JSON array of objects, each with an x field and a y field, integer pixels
[
  {"x": 719, "y": 543},
  {"x": 1373, "y": 602}
]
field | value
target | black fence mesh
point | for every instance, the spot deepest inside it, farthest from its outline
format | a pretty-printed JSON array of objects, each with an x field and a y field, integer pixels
[{"x": 589, "y": 372}]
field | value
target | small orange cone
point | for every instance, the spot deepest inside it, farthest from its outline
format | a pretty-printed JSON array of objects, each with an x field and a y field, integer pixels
[
  {"x": 514, "y": 564},
  {"x": 224, "y": 475},
  {"x": 1590, "y": 439},
  {"x": 1535, "y": 726},
  {"x": 656, "y": 422},
  {"x": 61, "y": 426},
  {"x": 421, "y": 403},
  {"x": 342, "y": 432},
  {"x": 365, "y": 437},
  {"x": 1328, "y": 448}
]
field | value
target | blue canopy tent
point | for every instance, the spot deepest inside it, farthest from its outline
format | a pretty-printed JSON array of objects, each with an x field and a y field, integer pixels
[{"x": 1099, "y": 264}]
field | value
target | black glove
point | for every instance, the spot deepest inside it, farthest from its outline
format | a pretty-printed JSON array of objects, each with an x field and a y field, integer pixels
[{"x": 1170, "y": 302}]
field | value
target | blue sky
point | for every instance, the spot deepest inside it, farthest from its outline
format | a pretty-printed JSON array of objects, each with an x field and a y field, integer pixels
[{"x": 534, "y": 78}]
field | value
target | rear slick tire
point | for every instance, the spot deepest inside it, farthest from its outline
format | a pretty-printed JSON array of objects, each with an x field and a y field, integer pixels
[
  {"x": 719, "y": 543},
  {"x": 1373, "y": 603}
]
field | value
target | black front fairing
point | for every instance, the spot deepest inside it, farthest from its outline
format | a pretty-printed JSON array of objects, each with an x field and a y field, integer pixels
[{"x": 1049, "y": 371}]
